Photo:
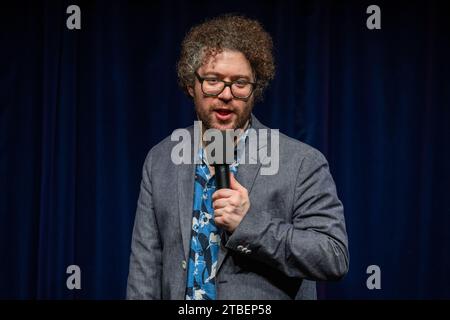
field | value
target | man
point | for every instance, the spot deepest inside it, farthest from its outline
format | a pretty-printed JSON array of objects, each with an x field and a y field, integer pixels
[{"x": 267, "y": 236}]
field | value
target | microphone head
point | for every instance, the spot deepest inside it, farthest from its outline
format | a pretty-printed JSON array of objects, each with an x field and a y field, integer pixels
[
  {"x": 223, "y": 147},
  {"x": 222, "y": 174},
  {"x": 223, "y": 157}
]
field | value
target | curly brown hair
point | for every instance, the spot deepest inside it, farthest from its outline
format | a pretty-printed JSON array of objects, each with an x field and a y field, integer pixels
[{"x": 231, "y": 32}]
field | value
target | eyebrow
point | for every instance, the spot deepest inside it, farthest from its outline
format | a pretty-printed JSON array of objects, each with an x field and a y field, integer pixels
[{"x": 238, "y": 76}]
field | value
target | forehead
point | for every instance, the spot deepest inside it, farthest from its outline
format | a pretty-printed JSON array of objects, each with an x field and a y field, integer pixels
[{"x": 226, "y": 63}]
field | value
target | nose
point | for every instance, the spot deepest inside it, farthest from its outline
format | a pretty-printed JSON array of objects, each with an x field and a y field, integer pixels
[{"x": 226, "y": 94}]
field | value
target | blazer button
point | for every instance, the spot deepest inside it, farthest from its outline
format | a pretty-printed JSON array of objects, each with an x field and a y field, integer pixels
[
  {"x": 240, "y": 248},
  {"x": 183, "y": 264},
  {"x": 248, "y": 251}
]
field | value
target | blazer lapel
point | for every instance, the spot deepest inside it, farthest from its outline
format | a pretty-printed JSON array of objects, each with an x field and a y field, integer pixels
[
  {"x": 185, "y": 181},
  {"x": 185, "y": 184}
]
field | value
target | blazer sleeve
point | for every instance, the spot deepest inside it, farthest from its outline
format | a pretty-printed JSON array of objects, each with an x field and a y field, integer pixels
[
  {"x": 314, "y": 244},
  {"x": 144, "y": 278}
]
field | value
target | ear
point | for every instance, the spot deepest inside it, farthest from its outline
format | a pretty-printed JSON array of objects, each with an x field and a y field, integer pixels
[{"x": 191, "y": 91}]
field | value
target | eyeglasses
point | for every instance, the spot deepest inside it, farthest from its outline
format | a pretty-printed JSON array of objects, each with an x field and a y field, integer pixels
[{"x": 212, "y": 87}]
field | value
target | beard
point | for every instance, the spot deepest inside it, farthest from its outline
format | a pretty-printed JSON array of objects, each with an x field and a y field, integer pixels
[{"x": 238, "y": 121}]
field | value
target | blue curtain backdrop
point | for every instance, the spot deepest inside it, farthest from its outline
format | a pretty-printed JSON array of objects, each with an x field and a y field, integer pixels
[{"x": 79, "y": 110}]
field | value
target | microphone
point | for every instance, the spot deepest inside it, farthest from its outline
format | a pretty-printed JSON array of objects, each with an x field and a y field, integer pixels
[
  {"x": 221, "y": 163},
  {"x": 222, "y": 176}
]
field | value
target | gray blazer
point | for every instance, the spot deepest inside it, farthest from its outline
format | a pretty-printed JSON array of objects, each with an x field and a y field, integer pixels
[{"x": 293, "y": 234}]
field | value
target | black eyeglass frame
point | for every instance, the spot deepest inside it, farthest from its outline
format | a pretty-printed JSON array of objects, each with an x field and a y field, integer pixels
[{"x": 226, "y": 84}]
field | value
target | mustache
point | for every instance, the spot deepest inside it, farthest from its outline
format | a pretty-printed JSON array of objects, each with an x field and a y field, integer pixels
[{"x": 222, "y": 107}]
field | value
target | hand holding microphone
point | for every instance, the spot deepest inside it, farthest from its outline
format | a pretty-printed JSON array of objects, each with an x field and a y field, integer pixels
[
  {"x": 230, "y": 205},
  {"x": 230, "y": 201}
]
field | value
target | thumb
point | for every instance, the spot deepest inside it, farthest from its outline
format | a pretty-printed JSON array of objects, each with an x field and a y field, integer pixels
[{"x": 234, "y": 184}]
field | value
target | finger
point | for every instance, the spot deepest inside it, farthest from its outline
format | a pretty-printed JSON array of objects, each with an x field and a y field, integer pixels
[
  {"x": 222, "y": 212},
  {"x": 218, "y": 213},
  {"x": 220, "y": 221},
  {"x": 235, "y": 185},
  {"x": 220, "y": 203},
  {"x": 222, "y": 193},
  {"x": 233, "y": 201}
]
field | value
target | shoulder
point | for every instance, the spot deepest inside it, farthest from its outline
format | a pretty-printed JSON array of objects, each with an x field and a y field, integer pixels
[
  {"x": 293, "y": 150},
  {"x": 300, "y": 151}
]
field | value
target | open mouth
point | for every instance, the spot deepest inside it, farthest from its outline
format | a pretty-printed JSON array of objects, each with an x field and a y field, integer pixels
[{"x": 223, "y": 112}]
